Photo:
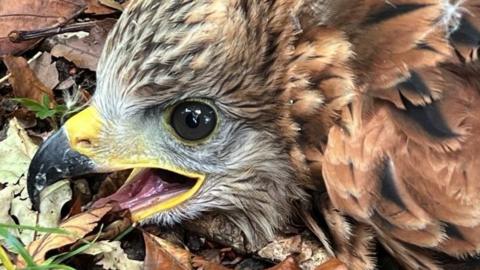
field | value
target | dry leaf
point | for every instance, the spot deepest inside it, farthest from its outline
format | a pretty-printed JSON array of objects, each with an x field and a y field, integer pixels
[
  {"x": 94, "y": 7},
  {"x": 333, "y": 264},
  {"x": 112, "y": 230},
  {"x": 84, "y": 52},
  {"x": 308, "y": 252},
  {"x": 25, "y": 117},
  {"x": 78, "y": 226},
  {"x": 221, "y": 230},
  {"x": 287, "y": 264},
  {"x": 202, "y": 264},
  {"x": 17, "y": 151},
  {"x": 281, "y": 248},
  {"x": 113, "y": 257},
  {"x": 46, "y": 70},
  {"x": 27, "y": 15},
  {"x": 66, "y": 84},
  {"x": 54, "y": 195},
  {"x": 114, "y": 4},
  {"x": 24, "y": 82},
  {"x": 161, "y": 254},
  {"x": 112, "y": 183},
  {"x": 6, "y": 197}
]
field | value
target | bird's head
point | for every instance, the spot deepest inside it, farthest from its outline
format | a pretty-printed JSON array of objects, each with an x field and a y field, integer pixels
[{"x": 190, "y": 94}]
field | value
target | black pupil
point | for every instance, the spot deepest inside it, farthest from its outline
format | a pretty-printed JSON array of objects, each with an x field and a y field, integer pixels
[{"x": 193, "y": 120}]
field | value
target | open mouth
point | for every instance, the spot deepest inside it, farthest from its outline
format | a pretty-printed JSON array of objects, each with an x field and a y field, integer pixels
[{"x": 148, "y": 191}]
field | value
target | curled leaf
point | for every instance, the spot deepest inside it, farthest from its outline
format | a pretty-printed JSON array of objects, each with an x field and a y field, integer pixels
[
  {"x": 77, "y": 227},
  {"x": 161, "y": 254},
  {"x": 24, "y": 82},
  {"x": 287, "y": 264}
]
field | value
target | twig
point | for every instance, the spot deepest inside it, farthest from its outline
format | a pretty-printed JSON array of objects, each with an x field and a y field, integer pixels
[
  {"x": 19, "y": 36},
  {"x": 35, "y": 57}
]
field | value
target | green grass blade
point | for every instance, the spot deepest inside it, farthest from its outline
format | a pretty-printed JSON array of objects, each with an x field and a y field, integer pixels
[
  {"x": 124, "y": 233},
  {"x": 80, "y": 249},
  {"x": 15, "y": 243},
  {"x": 35, "y": 228},
  {"x": 50, "y": 267},
  {"x": 7, "y": 263}
]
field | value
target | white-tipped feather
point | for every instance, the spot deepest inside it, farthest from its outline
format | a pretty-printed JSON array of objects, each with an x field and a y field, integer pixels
[{"x": 452, "y": 14}]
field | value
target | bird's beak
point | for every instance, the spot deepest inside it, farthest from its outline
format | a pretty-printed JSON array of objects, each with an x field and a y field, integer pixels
[{"x": 70, "y": 153}]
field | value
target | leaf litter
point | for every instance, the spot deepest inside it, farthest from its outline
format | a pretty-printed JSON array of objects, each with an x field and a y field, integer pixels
[
  {"x": 17, "y": 150},
  {"x": 61, "y": 73},
  {"x": 28, "y": 15}
]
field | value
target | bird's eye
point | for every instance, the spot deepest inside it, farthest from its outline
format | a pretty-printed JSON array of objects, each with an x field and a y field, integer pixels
[{"x": 193, "y": 120}]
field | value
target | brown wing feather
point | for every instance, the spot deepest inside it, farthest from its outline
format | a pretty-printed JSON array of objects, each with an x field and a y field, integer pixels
[{"x": 403, "y": 146}]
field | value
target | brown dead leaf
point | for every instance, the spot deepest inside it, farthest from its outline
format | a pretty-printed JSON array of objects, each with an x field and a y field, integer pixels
[
  {"x": 308, "y": 251},
  {"x": 84, "y": 52},
  {"x": 111, "y": 184},
  {"x": 202, "y": 264},
  {"x": 287, "y": 264},
  {"x": 78, "y": 226},
  {"x": 28, "y": 15},
  {"x": 219, "y": 229},
  {"x": 114, "y": 4},
  {"x": 333, "y": 264},
  {"x": 45, "y": 70},
  {"x": 161, "y": 254},
  {"x": 25, "y": 117},
  {"x": 282, "y": 248},
  {"x": 113, "y": 230},
  {"x": 24, "y": 82},
  {"x": 94, "y": 7}
]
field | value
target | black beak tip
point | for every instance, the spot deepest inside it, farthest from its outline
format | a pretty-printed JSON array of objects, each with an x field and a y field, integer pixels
[
  {"x": 37, "y": 172},
  {"x": 54, "y": 161},
  {"x": 35, "y": 185}
]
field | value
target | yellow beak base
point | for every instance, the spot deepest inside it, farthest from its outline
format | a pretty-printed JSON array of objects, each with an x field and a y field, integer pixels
[{"x": 84, "y": 131}]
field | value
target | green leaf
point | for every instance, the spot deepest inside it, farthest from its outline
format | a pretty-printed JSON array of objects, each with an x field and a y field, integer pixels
[
  {"x": 30, "y": 104},
  {"x": 61, "y": 109},
  {"x": 44, "y": 114},
  {"x": 46, "y": 101}
]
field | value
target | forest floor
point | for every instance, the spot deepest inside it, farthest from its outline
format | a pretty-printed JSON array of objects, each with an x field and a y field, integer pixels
[{"x": 45, "y": 77}]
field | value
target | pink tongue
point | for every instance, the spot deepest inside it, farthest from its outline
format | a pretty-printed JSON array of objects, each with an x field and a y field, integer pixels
[{"x": 144, "y": 189}]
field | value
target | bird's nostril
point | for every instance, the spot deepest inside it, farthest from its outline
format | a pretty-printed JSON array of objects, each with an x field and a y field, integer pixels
[{"x": 84, "y": 143}]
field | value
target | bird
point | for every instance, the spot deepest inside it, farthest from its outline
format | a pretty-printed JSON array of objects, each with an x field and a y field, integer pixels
[{"x": 261, "y": 109}]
